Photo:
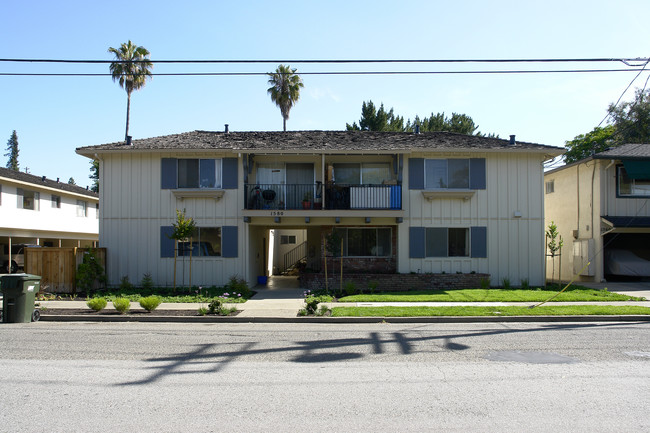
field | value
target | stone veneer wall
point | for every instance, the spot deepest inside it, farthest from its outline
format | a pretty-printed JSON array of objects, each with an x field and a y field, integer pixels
[{"x": 395, "y": 282}]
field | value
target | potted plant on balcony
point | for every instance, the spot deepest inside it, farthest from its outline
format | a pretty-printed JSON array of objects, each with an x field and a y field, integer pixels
[{"x": 306, "y": 200}]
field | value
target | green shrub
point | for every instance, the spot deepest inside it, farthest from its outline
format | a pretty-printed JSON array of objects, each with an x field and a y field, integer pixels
[
  {"x": 506, "y": 284},
  {"x": 150, "y": 303},
  {"x": 146, "y": 282},
  {"x": 350, "y": 289},
  {"x": 485, "y": 283},
  {"x": 90, "y": 272},
  {"x": 311, "y": 304},
  {"x": 125, "y": 284},
  {"x": 322, "y": 310},
  {"x": 214, "y": 306},
  {"x": 238, "y": 285},
  {"x": 203, "y": 311},
  {"x": 97, "y": 304},
  {"x": 372, "y": 286},
  {"x": 122, "y": 305},
  {"x": 302, "y": 312},
  {"x": 525, "y": 285}
]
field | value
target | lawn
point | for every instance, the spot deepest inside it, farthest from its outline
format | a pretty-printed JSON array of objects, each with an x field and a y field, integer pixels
[
  {"x": 572, "y": 294},
  {"x": 558, "y": 310}
]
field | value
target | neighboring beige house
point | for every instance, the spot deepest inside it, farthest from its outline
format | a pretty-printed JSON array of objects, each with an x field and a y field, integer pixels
[
  {"x": 600, "y": 205},
  {"x": 38, "y": 211},
  {"x": 401, "y": 202}
]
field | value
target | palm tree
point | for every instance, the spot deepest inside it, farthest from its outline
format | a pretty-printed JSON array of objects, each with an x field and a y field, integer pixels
[
  {"x": 132, "y": 69},
  {"x": 285, "y": 90}
]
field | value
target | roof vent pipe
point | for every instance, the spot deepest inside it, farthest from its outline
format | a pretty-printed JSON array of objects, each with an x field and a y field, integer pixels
[
  {"x": 512, "y": 140},
  {"x": 128, "y": 140},
  {"x": 57, "y": 180},
  {"x": 43, "y": 178},
  {"x": 417, "y": 128},
  {"x": 226, "y": 128}
]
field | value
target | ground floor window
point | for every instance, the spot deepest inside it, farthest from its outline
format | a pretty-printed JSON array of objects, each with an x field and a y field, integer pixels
[
  {"x": 365, "y": 241},
  {"x": 206, "y": 241},
  {"x": 447, "y": 242}
]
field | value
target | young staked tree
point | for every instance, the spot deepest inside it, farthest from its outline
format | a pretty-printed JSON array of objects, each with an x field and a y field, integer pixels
[
  {"x": 285, "y": 90},
  {"x": 12, "y": 152},
  {"x": 131, "y": 69},
  {"x": 554, "y": 244},
  {"x": 183, "y": 229}
]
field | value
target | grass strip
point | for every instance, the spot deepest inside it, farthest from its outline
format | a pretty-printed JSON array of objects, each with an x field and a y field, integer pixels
[
  {"x": 572, "y": 294},
  {"x": 544, "y": 310}
]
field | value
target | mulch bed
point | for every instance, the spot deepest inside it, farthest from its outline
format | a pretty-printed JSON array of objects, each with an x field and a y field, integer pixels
[{"x": 89, "y": 312}]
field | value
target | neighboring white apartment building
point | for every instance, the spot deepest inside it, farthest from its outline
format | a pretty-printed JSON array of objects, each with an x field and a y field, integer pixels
[
  {"x": 601, "y": 207},
  {"x": 35, "y": 210},
  {"x": 401, "y": 202}
]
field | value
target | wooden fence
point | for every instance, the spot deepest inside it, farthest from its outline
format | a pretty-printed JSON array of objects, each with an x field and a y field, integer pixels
[{"x": 58, "y": 266}]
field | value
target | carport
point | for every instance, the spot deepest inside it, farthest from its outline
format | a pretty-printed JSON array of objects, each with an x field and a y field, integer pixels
[{"x": 627, "y": 247}]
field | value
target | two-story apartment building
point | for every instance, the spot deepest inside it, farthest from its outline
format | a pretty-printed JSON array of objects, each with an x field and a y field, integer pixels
[
  {"x": 38, "y": 211},
  {"x": 399, "y": 202},
  {"x": 600, "y": 205}
]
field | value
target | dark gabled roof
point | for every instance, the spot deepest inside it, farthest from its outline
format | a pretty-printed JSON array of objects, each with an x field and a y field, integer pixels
[
  {"x": 321, "y": 141},
  {"x": 44, "y": 182},
  {"x": 626, "y": 151}
]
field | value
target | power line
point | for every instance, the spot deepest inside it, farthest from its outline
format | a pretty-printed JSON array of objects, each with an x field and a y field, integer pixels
[
  {"x": 624, "y": 91},
  {"x": 626, "y": 61},
  {"x": 180, "y": 74}
]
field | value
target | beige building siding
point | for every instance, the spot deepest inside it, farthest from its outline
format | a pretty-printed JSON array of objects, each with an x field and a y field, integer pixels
[
  {"x": 514, "y": 183},
  {"x": 584, "y": 192},
  {"x": 131, "y": 221}
]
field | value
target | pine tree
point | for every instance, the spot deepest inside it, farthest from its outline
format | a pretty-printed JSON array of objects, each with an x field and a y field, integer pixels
[
  {"x": 71, "y": 181},
  {"x": 12, "y": 148}
]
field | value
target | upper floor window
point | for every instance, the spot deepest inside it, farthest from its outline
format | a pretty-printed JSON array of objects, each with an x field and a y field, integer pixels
[
  {"x": 365, "y": 173},
  {"x": 82, "y": 208},
  {"x": 446, "y": 173},
  {"x": 550, "y": 186},
  {"x": 97, "y": 210},
  {"x": 628, "y": 187},
  {"x": 28, "y": 199},
  {"x": 443, "y": 174},
  {"x": 56, "y": 201},
  {"x": 199, "y": 173}
]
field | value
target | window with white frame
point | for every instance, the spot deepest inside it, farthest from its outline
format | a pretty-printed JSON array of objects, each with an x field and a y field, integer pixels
[
  {"x": 287, "y": 239},
  {"x": 199, "y": 173},
  {"x": 82, "y": 208},
  {"x": 446, "y": 173},
  {"x": 56, "y": 201},
  {"x": 365, "y": 241},
  {"x": 632, "y": 187},
  {"x": 28, "y": 199}
]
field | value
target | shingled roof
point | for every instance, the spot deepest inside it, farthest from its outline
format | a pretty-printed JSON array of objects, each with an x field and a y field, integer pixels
[
  {"x": 626, "y": 151},
  {"x": 321, "y": 141},
  {"x": 42, "y": 181}
]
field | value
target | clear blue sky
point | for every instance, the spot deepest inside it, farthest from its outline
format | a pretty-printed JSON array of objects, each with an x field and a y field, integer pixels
[{"x": 55, "y": 115}]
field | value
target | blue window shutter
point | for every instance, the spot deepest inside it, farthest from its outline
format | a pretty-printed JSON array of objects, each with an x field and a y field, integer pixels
[
  {"x": 229, "y": 174},
  {"x": 437, "y": 242},
  {"x": 416, "y": 242},
  {"x": 478, "y": 242},
  {"x": 477, "y": 173},
  {"x": 416, "y": 173},
  {"x": 168, "y": 173},
  {"x": 166, "y": 244},
  {"x": 229, "y": 241}
]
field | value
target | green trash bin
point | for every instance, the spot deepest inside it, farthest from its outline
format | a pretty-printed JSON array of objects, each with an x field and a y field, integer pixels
[{"x": 18, "y": 296}]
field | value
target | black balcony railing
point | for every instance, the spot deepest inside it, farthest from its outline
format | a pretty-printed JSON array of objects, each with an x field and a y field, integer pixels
[{"x": 317, "y": 196}]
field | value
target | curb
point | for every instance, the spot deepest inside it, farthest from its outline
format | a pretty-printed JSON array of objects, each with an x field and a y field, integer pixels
[{"x": 341, "y": 320}]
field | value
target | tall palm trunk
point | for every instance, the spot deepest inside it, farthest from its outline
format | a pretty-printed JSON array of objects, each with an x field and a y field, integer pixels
[
  {"x": 284, "y": 124},
  {"x": 128, "y": 110}
]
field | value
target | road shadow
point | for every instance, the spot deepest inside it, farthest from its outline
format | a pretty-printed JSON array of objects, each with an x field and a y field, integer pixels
[{"x": 213, "y": 357}]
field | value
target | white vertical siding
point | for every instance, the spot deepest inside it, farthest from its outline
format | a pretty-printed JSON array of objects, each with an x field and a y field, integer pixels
[{"x": 514, "y": 182}]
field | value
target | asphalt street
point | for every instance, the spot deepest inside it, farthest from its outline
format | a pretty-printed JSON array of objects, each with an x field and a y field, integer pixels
[{"x": 62, "y": 377}]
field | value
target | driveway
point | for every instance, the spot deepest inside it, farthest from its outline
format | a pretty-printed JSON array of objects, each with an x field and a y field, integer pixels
[{"x": 634, "y": 288}]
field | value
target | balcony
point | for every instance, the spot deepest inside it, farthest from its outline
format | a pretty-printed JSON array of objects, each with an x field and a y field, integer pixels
[{"x": 318, "y": 197}]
